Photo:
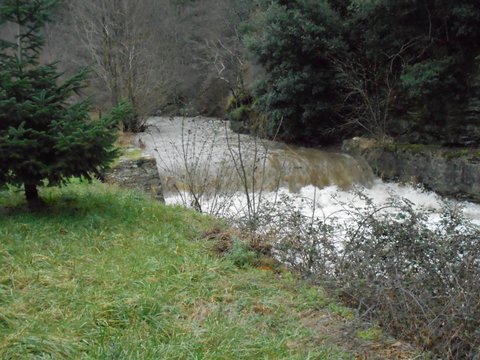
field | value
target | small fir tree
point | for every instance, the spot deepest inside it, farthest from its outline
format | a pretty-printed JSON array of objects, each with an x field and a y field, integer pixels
[{"x": 44, "y": 139}]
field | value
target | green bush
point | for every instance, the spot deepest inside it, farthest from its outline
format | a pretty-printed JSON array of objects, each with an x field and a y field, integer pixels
[
  {"x": 336, "y": 68},
  {"x": 124, "y": 113},
  {"x": 241, "y": 113},
  {"x": 294, "y": 44}
]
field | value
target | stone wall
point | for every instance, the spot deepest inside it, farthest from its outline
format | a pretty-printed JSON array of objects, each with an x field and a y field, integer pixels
[
  {"x": 449, "y": 172},
  {"x": 139, "y": 174}
]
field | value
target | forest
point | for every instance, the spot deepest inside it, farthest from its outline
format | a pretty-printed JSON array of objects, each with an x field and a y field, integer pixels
[{"x": 318, "y": 70}]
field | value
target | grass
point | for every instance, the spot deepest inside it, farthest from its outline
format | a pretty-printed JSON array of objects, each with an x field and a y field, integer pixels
[
  {"x": 132, "y": 154},
  {"x": 109, "y": 274},
  {"x": 468, "y": 154}
]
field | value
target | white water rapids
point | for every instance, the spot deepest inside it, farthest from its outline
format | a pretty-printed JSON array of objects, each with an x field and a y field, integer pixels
[{"x": 204, "y": 165}]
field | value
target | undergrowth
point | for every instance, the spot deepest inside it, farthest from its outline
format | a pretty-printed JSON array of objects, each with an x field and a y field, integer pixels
[{"x": 414, "y": 274}]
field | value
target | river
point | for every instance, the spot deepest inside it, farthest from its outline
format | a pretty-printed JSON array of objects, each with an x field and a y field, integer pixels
[{"x": 205, "y": 165}]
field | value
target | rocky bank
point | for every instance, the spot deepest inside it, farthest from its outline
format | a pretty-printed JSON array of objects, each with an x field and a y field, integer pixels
[
  {"x": 137, "y": 172},
  {"x": 453, "y": 172}
]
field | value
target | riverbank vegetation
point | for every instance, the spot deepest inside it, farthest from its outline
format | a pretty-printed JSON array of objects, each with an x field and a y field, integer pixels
[
  {"x": 384, "y": 67},
  {"x": 105, "y": 273},
  {"x": 317, "y": 70},
  {"x": 414, "y": 274}
]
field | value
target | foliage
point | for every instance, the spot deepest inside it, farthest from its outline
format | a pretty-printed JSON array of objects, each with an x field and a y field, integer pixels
[
  {"x": 435, "y": 44},
  {"x": 241, "y": 113},
  {"x": 294, "y": 45},
  {"x": 125, "y": 113},
  {"x": 352, "y": 64},
  {"x": 44, "y": 138}
]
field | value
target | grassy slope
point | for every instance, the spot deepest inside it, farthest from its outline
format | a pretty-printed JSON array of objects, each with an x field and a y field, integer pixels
[{"x": 107, "y": 274}]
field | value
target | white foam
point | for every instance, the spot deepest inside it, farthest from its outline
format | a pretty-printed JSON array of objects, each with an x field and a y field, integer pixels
[
  {"x": 332, "y": 201},
  {"x": 206, "y": 144}
]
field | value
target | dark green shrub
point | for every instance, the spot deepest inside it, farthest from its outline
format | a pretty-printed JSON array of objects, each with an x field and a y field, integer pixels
[
  {"x": 334, "y": 68},
  {"x": 241, "y": 113},
  {"x": 294, "y": 44}
]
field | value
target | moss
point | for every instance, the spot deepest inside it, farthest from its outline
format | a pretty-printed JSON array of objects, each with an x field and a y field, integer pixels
[
  {"x": 411, "y": 148},
  {"x": 371, "y": 334},
  {"x": 467, "y": 154},
  {"x": 132, "y": 154},
  {"x": 128, "y": 154}
]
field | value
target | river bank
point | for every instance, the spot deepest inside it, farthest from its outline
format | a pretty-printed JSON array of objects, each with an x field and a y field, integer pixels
[
  {"x": 110, "y": 274},
  {"x": 452, "y": 172}
]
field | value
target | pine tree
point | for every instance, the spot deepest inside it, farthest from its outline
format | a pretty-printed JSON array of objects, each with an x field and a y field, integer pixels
[{"x": 44, "y": 139}]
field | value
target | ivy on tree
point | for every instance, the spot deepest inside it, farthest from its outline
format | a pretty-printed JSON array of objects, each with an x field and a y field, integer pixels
[{"x": 44, "y": 138}]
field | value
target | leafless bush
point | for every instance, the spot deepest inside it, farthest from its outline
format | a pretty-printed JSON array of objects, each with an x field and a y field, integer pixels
[
  {"x": 303, "y": 242},
  {"x": 416, "y": 277},
  {"x": 419, "y": 279},
  {"x": 250, "y": 166},
  {"x": 196, "y": 171},
  {"x": 214, "y": 170}
]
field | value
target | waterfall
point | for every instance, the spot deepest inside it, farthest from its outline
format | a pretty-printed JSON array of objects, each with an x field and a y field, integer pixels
[{"x": 203, "y": 163}]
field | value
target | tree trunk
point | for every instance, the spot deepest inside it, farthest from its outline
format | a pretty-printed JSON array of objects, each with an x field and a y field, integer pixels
[{"x": 33, "y": 199}]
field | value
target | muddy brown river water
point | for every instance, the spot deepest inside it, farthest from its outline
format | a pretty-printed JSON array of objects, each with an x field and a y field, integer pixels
[{"x": 204, "y": 164}]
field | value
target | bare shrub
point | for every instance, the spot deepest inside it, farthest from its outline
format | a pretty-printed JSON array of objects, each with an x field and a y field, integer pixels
[
  {"x": 419, "y": 279},
  {"x": 214, "y": 170},
  {"x": 416, "y": 277},
  {"x": 195, "y": 169},
  {"x": 303, "y": 242},
  {"x": 249, "y": 166}
]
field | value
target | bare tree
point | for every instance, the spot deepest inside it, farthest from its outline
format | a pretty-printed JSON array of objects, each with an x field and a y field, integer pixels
[
  {"x": 369, "y": 95},
  {"x": 370, "y": 87},
  {"x": 224, "y": 51},
  {"x": 119, "y": 37},
  {"x": 158, "y": 54}
]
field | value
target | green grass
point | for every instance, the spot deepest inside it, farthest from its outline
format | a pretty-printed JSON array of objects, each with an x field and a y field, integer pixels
[
  {"x": 109, "y": 274},
  {"x": 132, "y": 153},
  {"x": 372, "y": 334}
]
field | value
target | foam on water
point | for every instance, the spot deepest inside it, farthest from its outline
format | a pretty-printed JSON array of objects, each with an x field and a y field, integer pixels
[
  {"x": 332, "y": 201},
  {"x": 316, "y": 182}
]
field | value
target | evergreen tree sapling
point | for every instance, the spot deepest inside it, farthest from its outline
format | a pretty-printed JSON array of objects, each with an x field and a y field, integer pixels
[{"x": 44, "y": 139}]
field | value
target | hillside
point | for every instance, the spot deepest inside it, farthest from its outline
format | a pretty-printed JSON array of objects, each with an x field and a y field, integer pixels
[{"x": 108, "y": 274}]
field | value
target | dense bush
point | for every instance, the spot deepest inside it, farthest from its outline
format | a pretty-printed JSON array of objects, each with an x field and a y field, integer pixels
[
  {"x": 419, "y": 279},
  {"x": 298, "y": 92},
  {"x": 382, "y": 66},
  {"x": 414, "y": 276}
]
